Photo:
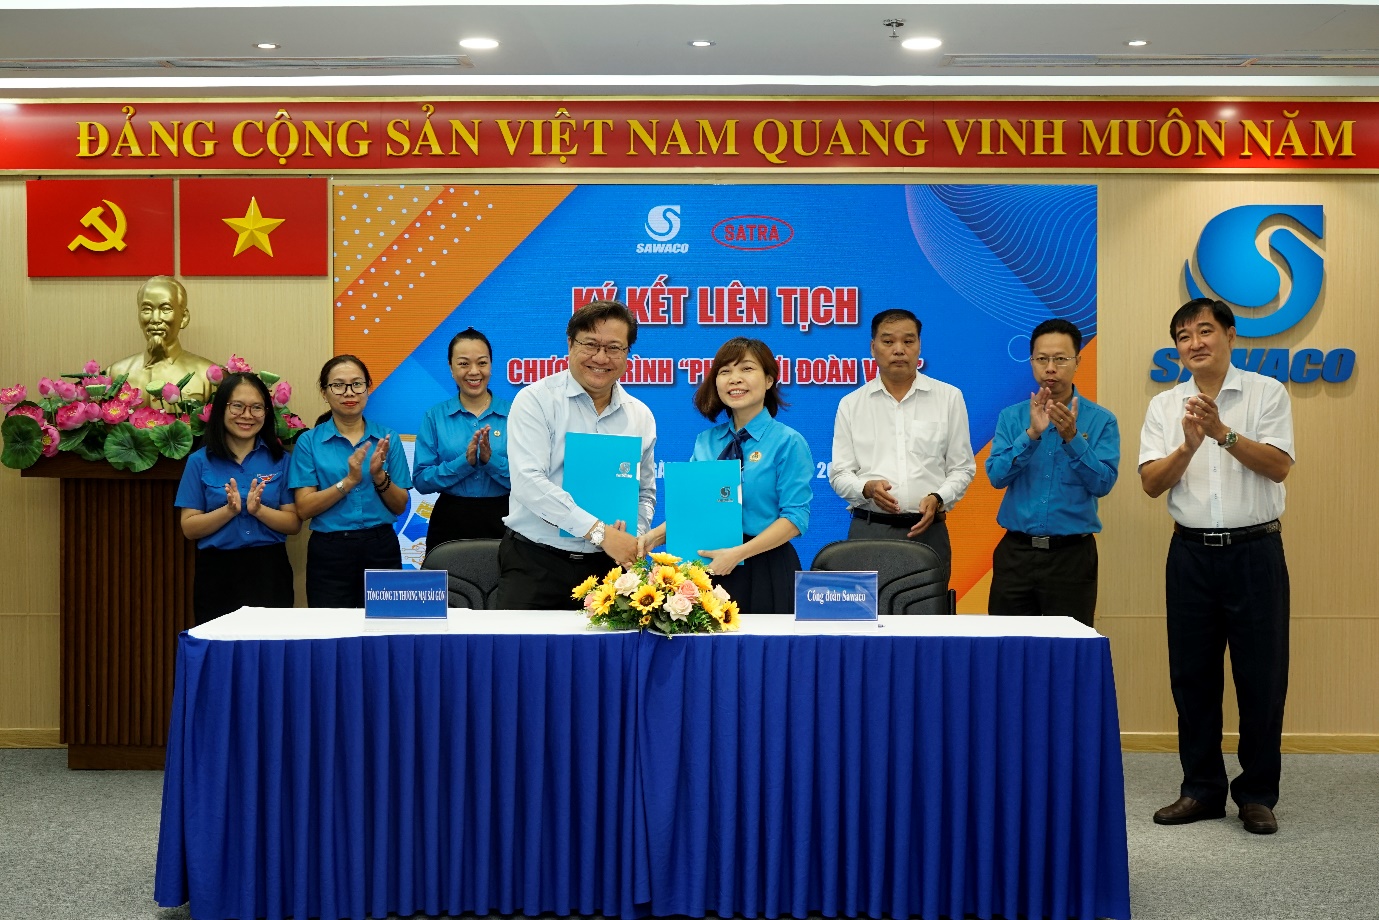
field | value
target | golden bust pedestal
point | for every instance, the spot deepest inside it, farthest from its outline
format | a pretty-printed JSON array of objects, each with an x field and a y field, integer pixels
[{"x": 126, "y": 594}]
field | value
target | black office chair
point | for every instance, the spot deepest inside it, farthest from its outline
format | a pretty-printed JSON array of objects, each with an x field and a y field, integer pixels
[
  {"x": 473, "y": 568},
  {"x": 909, "y": 575}
]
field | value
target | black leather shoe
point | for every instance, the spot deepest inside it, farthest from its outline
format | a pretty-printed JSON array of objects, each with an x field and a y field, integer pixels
[
  {"x": 1186, "y": 810},
  {"x": 1258, "y": 819}
]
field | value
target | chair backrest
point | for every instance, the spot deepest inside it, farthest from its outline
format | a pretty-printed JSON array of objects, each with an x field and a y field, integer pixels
[
  {"x": 473, "y": 568},
  {"x": 909, "y": 575}
]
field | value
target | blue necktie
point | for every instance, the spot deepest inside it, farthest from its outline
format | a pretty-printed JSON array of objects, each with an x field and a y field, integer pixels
[{"x": 734, "y": 449}]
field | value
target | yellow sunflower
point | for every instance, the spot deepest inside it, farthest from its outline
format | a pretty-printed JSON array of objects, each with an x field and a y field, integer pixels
[
  {"x": 646, "y": 619},
  {"x": 646, "y": 599},
  {"x": 667, "y": 577},
  {"x": 613, "y": 576},
  {"x": 701, "y": 579},
  {"x": 664, "y": 558},
  {"x": 712, "y": 606},
  {"x": 583, "y": 588},
  {"x": 604, "y": 595},
  {"x": 731, "y": 618}
]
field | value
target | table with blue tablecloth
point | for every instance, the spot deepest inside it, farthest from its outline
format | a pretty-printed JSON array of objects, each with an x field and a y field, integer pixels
[{"x": 321, "y": 765}]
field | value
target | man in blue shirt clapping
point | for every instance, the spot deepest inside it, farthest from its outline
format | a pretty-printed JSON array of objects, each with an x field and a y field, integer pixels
[{"x": 1055, "y": 455}]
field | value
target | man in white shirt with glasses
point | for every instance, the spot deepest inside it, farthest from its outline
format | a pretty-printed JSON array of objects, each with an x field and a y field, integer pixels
[
  {"x": 538, "y": 566},
  {"x": 902, "y": 452}
]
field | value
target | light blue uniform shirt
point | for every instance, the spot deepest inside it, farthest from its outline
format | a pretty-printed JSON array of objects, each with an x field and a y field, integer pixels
[
  {"x": 538, "y": 421},
  {"x": 1052, "y": 487},
  {"x": 203, "y": 489},
  {"x": 439, "y": 460},
  {"x": 321, "y": 458},
  {"x": 777, "y": 471}
]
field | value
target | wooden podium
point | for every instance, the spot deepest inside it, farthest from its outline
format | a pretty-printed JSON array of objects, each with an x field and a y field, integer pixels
[{"x": 126, "y": 593}]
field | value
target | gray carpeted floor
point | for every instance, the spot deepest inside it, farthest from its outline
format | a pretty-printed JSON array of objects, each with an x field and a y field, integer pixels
[{"x": 80, "y": 845}]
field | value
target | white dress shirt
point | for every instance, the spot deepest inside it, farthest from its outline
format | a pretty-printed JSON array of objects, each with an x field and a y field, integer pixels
[
  {"x": 541, "y": 416},
  {"x": 919, "y": 445},
  {"x": 1218, "y": 490}
]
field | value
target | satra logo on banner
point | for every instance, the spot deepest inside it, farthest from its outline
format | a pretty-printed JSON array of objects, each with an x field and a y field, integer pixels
[
  {"x": 1231, "y": 265},
  {"x": 663, "y": 225}
]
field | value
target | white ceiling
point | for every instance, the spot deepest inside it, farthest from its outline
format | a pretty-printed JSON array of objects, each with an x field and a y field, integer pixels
[{"x": 604, "y": 48}]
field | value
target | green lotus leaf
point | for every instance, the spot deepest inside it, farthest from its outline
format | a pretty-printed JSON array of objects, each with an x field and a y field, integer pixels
[
  {"x": 129, "y": 448},
  {"x": 23, "y": 442},
  {"x": 173, "y": 440}
]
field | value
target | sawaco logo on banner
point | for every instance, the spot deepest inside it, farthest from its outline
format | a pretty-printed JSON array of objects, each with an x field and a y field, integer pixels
[{"x": 1231, "y": 267}]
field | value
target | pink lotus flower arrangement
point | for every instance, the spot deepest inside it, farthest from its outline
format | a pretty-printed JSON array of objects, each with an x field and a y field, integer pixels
[{"x": 101, "y": 419}]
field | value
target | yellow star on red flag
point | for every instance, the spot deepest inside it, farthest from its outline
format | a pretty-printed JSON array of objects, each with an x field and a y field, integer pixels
[{"x": 253, "y": 228}]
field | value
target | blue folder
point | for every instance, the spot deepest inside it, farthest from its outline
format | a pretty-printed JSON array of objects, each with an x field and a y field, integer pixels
[
  {"x": 601, "y": 475},
  {"x": 703, "y": 507}
]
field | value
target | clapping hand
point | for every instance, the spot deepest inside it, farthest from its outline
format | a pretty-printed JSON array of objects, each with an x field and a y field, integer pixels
[
  {"x": 232, "y": 497},
  {"x": 356, "y": 464},
  {"x": 1039, "y": 413},
  {"x": 255, "y": 499},
  {"x": 380, "y": 455},
  {"x": 1064, "y": 418}
]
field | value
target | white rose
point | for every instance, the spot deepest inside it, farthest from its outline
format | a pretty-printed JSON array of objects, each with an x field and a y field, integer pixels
[
  {"x": 678, "y": 606},
  {"x": 627, "y": 583},
  {"x": 723, "y": 596}
]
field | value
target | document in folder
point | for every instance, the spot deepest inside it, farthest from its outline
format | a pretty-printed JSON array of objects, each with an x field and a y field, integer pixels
[
  {"x": 601, "y": 475},
  {"x": 703, "y": 507}
]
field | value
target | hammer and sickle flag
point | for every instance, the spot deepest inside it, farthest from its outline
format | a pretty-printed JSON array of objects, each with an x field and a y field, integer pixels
[
  {"x": 99, "y": 227},
  {"x": 257, "y": 226}
]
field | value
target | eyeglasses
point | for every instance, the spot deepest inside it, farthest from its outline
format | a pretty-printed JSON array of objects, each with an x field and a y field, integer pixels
[
  {"x": 593, "y": 348},
  {"x": 254, "y": 410},
  {"x": 1058, "y": 361},
  {"x": 340, "y": 389}
]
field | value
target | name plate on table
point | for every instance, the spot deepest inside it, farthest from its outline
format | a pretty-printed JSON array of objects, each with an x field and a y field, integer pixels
[
  {"x": 402, "y": 594},
  {"x": 835, "y": 595}
]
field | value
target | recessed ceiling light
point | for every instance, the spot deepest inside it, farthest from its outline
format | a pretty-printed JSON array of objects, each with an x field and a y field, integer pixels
[
  {"x": 478, "y": 44},
  {"x": 920, "y": 44},
  {"x": 267, "y": 46},
  {"x": 1137, "y": 42},
  {"x": 701, "y": 43}
]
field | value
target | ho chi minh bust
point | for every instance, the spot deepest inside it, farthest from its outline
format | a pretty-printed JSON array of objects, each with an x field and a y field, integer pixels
[{"x": 163, "y": 315}]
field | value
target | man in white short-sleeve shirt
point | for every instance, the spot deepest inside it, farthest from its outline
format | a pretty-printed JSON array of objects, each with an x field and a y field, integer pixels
[{"x": 1221, "y": 445}]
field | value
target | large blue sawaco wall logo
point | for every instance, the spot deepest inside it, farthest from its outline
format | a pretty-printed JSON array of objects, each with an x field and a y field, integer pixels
[
  {"x": 1238, "y": 273},
  {"x": 1232, "y": 267}
]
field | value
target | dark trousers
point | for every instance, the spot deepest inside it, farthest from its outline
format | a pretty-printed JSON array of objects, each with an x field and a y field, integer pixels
[
  {"x": 1030, "y": 582},
  {"x": 935, "y": 537},
  {"x": 534, "y": 576},
  {"x": 335, "y": 564},
  {"x": 252, "y": 576},
  {"x": 1232, "y": 597}
]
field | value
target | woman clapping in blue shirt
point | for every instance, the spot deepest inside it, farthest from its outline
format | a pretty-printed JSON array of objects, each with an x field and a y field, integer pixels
[{"x": 462, "y": 449}]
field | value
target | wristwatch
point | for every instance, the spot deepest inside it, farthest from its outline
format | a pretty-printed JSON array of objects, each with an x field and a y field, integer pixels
[
  {"x": 596, "y": 535},
  {"x": 1229, "y": 440},
  {"x": 940, "y": 500}
]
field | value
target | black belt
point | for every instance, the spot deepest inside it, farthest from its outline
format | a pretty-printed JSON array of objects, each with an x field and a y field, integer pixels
[
  {"x": 373, "y": 532},
  {"x": 1229, "y": 536},
  {"x": 894, "y": 520},
  {"x": 1047, "y": 542},
  {"x": 563, "y": 554}
]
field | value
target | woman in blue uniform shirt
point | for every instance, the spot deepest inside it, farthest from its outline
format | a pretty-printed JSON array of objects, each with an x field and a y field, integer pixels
[
  {"x": 462, "y": 450},
  {"x": 350, "y": 479},
  {"x": 236, "y": 505},
  {"x": 777, "y": 477}
]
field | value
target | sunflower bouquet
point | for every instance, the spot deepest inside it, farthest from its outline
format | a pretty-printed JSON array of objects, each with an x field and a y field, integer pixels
[{"x": 659, "y": 592}]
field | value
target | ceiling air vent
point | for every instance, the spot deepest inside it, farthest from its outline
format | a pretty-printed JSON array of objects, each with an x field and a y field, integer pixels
[
  {"x": 1330, "y": 59},
  {"x": 419, "y": 62}
]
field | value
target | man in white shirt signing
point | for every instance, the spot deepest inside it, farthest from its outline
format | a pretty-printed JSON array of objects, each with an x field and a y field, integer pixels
[{"x": 902, "y": 454}]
